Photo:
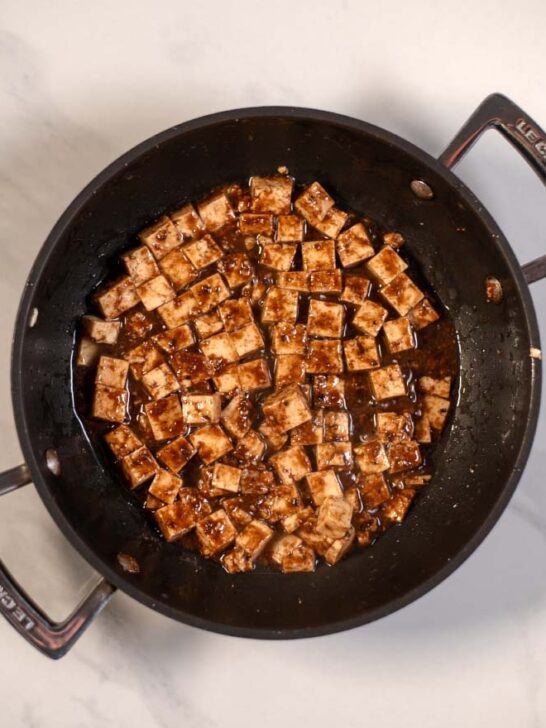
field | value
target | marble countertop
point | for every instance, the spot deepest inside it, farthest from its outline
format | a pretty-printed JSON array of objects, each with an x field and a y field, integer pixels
[{"x": 82, "y": 82}]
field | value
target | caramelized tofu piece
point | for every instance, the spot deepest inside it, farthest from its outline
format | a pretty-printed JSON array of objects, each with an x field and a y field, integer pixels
[
  {"x": 314, "y": 203},
  {"x": 100, "y": 331},
  {"x": 252, "y": 223},
  {"x": 178, "y": 269},
  {"x": 284, "y": 546},
  {"x": 289, "y": 338},
  {"x": 302, "y": 558},
  {"x": 117, "y": 298},
  {"x": 143, "y": 358},
  {"x": 203, "y": 252},
  {"x": 290, "y": 228},
  {"x": 112, "y": 372},
  {"x": 373, "y": 489},
  {"x": 280, "y": 305},
  {"x": 209, "y": 324},
  {"x": 440, "y": 387},
  {"x": 275, "y": 437},
  {"x": 211, "y": 442},
  {"x": 336, "y": 426},
  {"x": 235, "y": 314},
  {"x": 295, "y": 520},
  {"x": 140, "y": 264},
  {"x": 187, "y": 221},
  {"x": 215, "y": 533},
  {"x": 271, "y": 194},
  {"x": 176, "y": 454},
  {"x": 190, "y": 368},
  {"x": 322, "y": 485},
  {"x": 370, "y": 317},
  {"x": 291, "y": 465},
  {"x": 356, "y": 290},
  {"x": 226, "y": 477},
  {"x": 219, "y": 350},
  {"x": 278, "y": 256},
  {"x": 201, "y": 409},
  {"x": 319, "y": 255},
  {"x": 160, "y": 381},
  {"x": 122, "y": 441},
  {"x": 165, "y": 417},
  {"x": 283, "y": 501},
  {"x": 210, "y": 292},
  {"x": 361, "y": 353},
  {"x": 386, "y": 265},
  {"x": 395, "y": 240},
  {"x": 402, "y": 294},
  {"x": 339, "y": 547},
  {"x": 109, "y": 404},
  {"x": 334, "y": 517},
  {"x": 334, "y": 455},
  {"x": 182, "y": 516},
  {"x": 256, "y": 482},
  {"x": 325, "y": 281},
  {"x": 254, "y": 375},
  {"x": 423, "y": 432},
  {"x": 237, "y": 561},
  {"x": 152, "y": 504},
  {"x": 155, "y": 292},
  {"x": 435, "y": 409},
  {"x": 227, "y": 381},
  {"x": 324, "y": 357},
  {"x": 404, "y": 455},
  {"x": 371, "y": 457},
  {"x": 325, "y": 319},
  {"x": 138, "y": 467},
  {"x": 174, "y": 340},
  {"x": 399, "y": 335},
  {"x": 387, "y": 382},
  {"x": 295, "y": 280},
  {"x": 311, "y": 432},
  {"x": 254, "y": 538},
  {"x": 161, "y": 237},
  {"x": 236, "y": 268},
  {"x": 238, "y": 415},
  {"x": 237, "y": 514},
  {"x": 287, "y": 409},
  {"x": 178, "y": 311},
  {"x": 393, "y": 426},
  {"x": 328, "y": 391},
  {"x": 216, "y": 212},
  {"x": 331, "y": 223},
  {"x": 250, "y": 448},
  {"x": 137, "y": 325},
  {"x": 354, "y": 246},
  {"x": 165, "y": 486},
  {"x": 395, "y": 510},
  {"x": 289, "y": 368},
  {"x": 247, "y": 340},
  {"x": 423, "y": 314}
]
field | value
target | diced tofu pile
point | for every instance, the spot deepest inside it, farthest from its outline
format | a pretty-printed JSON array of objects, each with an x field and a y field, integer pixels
[{"x": 266, "y": 373}]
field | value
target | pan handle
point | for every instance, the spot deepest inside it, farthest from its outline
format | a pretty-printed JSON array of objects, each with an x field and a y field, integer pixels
[
  {"x": 54, "y": 639},
  {"x": 498, "y": 112}
]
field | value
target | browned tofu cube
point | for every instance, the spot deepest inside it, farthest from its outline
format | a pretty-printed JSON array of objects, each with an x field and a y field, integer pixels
[
  {"x": 209, "y": 324},
  {"x": 165, "y": 486},
  {"x": 211, "y": 442},
  {"x": 160, "y": 381},
  {"x": 237, "y": 269},
  {"x": 291, "y": 465},
  {"x": 289, "y": 368},
  {"x": 139, "y": 466},
  {"x": 325, "y": 318},
  {"x": 256, "y": 481},
  {"x": 284, "y": 546},
  {"x": 356, "y": 290},
  {"x": 439, "y": 386},
  {"x": 311, "y": 432},
  {"x": 100, "y": 331},
  {"x": 402, "y": 294},
  {"x": 436, "y": 409},
  {"x": 247, "y": 340},
  {"x": 143, "y": 358},
  {"x": 161, "y": 237},
  {"x": 187, "y": 221},
  {"x": 122, "y": 441},
  {"x": 395, "y": 240},
  {"x": 314, "y": 203},
  {"x": 176, "y": 454},
  {"x": 325, "y": 281},
  {"x": 238, "y": 415},
  {"x": 283, "y": 500},
  {"x": 387, "y": 382},
  {"x": 250, "y": 448},
  {"x": 227, "y": 381},
  {"x": 371, "y": 457},
  {"x": 201, "y": 409},
  {"x": 274, "y": 436},
  {"x": 235, "y": 510},
  {"x": 339, "y": 547},
  {"x": 373, "y": 489},
  {"x": 334, "y": 456},
  {"x": 295, "y": 280},
  {"x": 370, "y": 318},
  {"x": 323, "y": 484},
  {"x": 203, "y": 252},
  {"x": 179, "y": 518},
  {"x": 290, "y": 228},
  {"x": 252, "y": 223},
  {"x": 226, "y": 477},
  {"x": 109, "y": 403},
  {"x": 295, "y": 520},
  {"x": 319, "y": 255},
  {"x": 404, "y": 455},
  {"x": 140, "y": 264},
  {"x": 215, "y": 533},
  {"x": 190, "y": 368},
  {"x": 361, "y": 353},
  {"x": 354, "y": 245},
  {"x": 152, "y": 504},
  {"x": 219, "y": 350},
  {"x": 155, "y": 292},
  {"x": 117, "y": 298},
  {"x": 287, "y": 409},
  {"x": 180, "y": 310},
  {"x": 210, "y": 292},
  {"x": 386, "y": 265},
  {"x": 336, "y": 426},
  {"x": 423, "y": 314},
  {"x": 280, "y": 305},
  {"x": 235, "y": 314},
  {"x": 399, "y": 335},
  {"x": 391, "y": 426},
  {"x": 328, "y": 391},
  {"x": 254, "y": 538},
  {"x": 165, "y": 417},
  {"x": 178, "y": 269},
  {"x": 395, "y": 510},
  {"x": 237, "y": 561},
  {"x": 324, "y": 357},
  {"x": 302, "y": 558},
  {"x": 423, "y": 432},
  {"x": 334, "y": 517},
  {"x": 174, "y": 340},
  {"x": 416, "y": 480},
  {"x": 271, "y": 194},
  {"x": 254, "y": 375},
  {"x": 112, "y": 372},
  {"x": 289, "y": 338},
  {"x": 278, "y": 256},
  {"x": 216, "y": 212},
  {"x": 331, "y": 223},
  {"x": 137, "y": 325}
]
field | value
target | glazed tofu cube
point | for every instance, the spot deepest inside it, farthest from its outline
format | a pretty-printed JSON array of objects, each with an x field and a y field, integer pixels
[
  {"x": 395, "y": 240},
  {"x": 283, "y": 501},
  {"x": 254, "y": 375},
  {"x": 237, "y": 269},
  {"x": 109, "y": 403},
  {"x": 284, "y": 546},
  {"x": 328, "y": 391},
  {"x": 361, "y": 353},
  {"x": 289, "y": 339},
  {"x": 152, "y": 504},
  {"x": 237, "y": 561},
  {"x": 274, "y": 436},
  {"x": 290, "y": 228},
  {"x": 334, "y": 517},
  {"x": 219, "y": 350},
  {"x": 254, "y": 538},
  {"x": 201, "y": 409},
  {"x": 323, "y": 484},
  {"x": 238, "y": 415},
  {"x": 325, "y": 281},
  {"x": 373, "y": 489},
  {"x": 255, "y": 291},
  {"x": 325, "y": 318},
  {"x": 331, "y": 223},
  {"x": 138, "y": 467},
  {"x": 237, "y": 514},
  {"x": 399, "y": 335},
  {"x": 404, "y": 455},
  {"x": 339, "y": 547},
  {"x": 257, "y": 482},
  {"x": 440, "y": 386},
  {"x": 393, "y": 426},
  {"x": 352, "y": 497},
  {"x": 356, "y": 290},
  {"x": 293, "y": 280},
  {"x": 112, "y": 372},
  {"x": 423, "y": 432},
  {"x": 334, "y": 456},
  {"x": 210, "y": 292},
  {"x": 179, "y": 518},
  {"x": 190, "y": 368},
  {"x": 203, "y": 252},
  {"x": 423, "y": 314},
  {"x": 280, "y": 305},
  {"x": 122, "y": 441},
  {"x": 386, "y": 265},
  {"x": 165, "y": 417},
  {"x": 216, "y": 212},
  {"x": 297, "y": 519},
  {"x": 160, "y": 381},
  {"x": 416, "y": 480},
  {"x": 314, "y": 203},
  {"x": 289, "y": 368},
  {"x": 371, "y": 457},
  {"x": 140, "y": 265},
  {"x": 291, "y": 465},
  {"x": 165, "y": 486},
  {"x": 287, "y": 409},
  {"x": 299, "y": 559},
  {"x": 370, "y": 317},
  {"x": 311, "y": 432},
  {"x": 402, "y": 294},
  {"x": 324, "y": 357},
  {"x": 271, "y": 194},
  {"x": 336, "y": 426},
  {"x": 354, "y": 245},
  {"x": 226, "y": 477},
  {"x": 319, "y": 255},
  {"x": 250, "y": 448},
  {"x": 209, "y": 324},
  {"x": 178, "y": 269},
  {"x": 215, "y": 533},
  {"x": 247, "y": 340},
  {"x": 161, "y": 237},
  {"x": 211, "y": 442},
  {"x": 179, "y": 311},
  {"x": 228, "y": 379},
  {"x": 278, "y": 256},
  {"x": 395, "y": 510},
  {"x": 436, "y": 409},
  {"x": 143, "y": 358},
  {"x": 174, "y": 340},
  {"x": 99, "y": 331},
  {"x": 187, "y": 221},
  {"x": 235, "y": 314},
  {"x": 252, "y": 223},
  {"x": 176, "y": 454},
  {"x": 155, "y": 292},
  {"x": 387, "y": 382},
  {"x": 138, "y": 324},
  {"x": 117, "y": 298}
]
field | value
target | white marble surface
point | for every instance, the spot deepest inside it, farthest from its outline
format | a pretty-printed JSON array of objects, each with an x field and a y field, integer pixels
[{"x": 81, "y": 82}]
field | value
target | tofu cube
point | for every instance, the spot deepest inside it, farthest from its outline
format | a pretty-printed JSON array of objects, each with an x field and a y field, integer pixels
[
  {"x": 356, "y": 290},
  {"x": 319, "y": 255},
  {"x": 155, "y": 292},
  {"x": 254, "y": 538},
  {"x": 237, "y": 269},
  {"x": 160, "y": 381},
  {"x": 336, "y": 426},
  {"x": 289, "y": 368},
  {"x": 178, "y": 269},
  {"x": 399, "y": 335},
  {"x": 254, "y": 375},
  {"x": 339, "y": 547},
  {"x": 284, "y": 500},
  {"x": 201, "y": 409},
  {"x": 354, "y": 245},
  {"x": 391, "y": 426},
  {"x": 287, "y": 409},
  {"x": 373, "y": 489},
  {"x": 238, "y": 415},
  {"x": 334, "y": 456},
  {"x": 395, "y": 510},
  {"x": 386, "y": 265},
  {"x": 296, "y": 520},
  {"x": 210, "y": 292},
  {"x": 140, "y": 265},
  {"x": 289, "y": 338},
  {"x": 138, "y": 324},
  {"x": 236, "y": 512},
  {"x": 361, "y": 353},
  {"x": 109, "y": 403},
  {"x": 295, "y": 280},
  {"x": 440, "y": 386},
  {"x": 219, "y": 350},
  {"x": 100, "y": 331},
  {"x": 314, "y": 203},
  {"x": 143, "y": 358},
  {"x": 371, "y": 457},
  {"x": 165, "y": 486},
  {"x": 250, "y": 448},
  {"x": 187, "y": 221},
  {"x": 271, "y": 194},
  {"x": 252, "y": 223},
  {"x": 176, "y": 454},
  {"x": 278, "y": 256},
  {"x": 112, "y": 372},
  {"x": 152, "y": 504},
  {"x": 274, "y": 436},
  {"x": 325, "y": 318},
  {"x": 324, "y": 357},
  {"x": 325, "y": 281},
  {"x": 215, "y": 533},
  {"x": 211, "y": 442},
  {"x": 117, "y": 298},
  {"x": 227, "y": 381},
  {"x": 209, "y": 324},
  {"x": 402, "y": 294},
  {"x": 174, "y": 340},
  {"x": 247, "y": 340},
  {"x": 284, "y": 546},
  {"x": 88, "y": 352},
  {"x": 182, "y": 516},
  {"x": 161, "y": 237},
  {"x": 216, "y": 212},
  {"x": 404, "y": 455},
  {"x": 235, "y": 314},
  {"x": 226, "y": 477},
  {"x": 138, "y": 467},
  {"x": 280, "y": 305},
  {"x": 311, "y": 432},
  {"x": 165, "y": 417},
  {"x": 290, "y": 228},
  {"x": 179, "y": 311},
  {"x": 291, "y": 465},
  {"x": 423, "y": 432},
  {"x": 328, "y": 391},
  {"x": 122, "y": 441},
  {"x": 436, "y": 409},
  {"x": 237, "y": 561},
  {"x": 190, "y": 368},
  {"x": 257, "y": 481},
  {"x": 395, "y": 240},
  {"x": 416, "y": 480},
  {"x": 331, "y": 223},
  {"x": 203, "y": 252},
  {"x": 300, "y": 559},
  {"x": 387, "y": 382},
  {"x": 322, "y": 485},
  {"x": 423, "y": 315},
  {"x": 370, "y": 317},
  {"x": 334, "y": 517}
]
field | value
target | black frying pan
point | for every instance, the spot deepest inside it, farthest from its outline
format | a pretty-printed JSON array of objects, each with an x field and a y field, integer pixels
[{"x": 453, "y": 240}]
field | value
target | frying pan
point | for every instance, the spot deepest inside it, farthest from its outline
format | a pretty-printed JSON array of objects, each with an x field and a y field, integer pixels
[{"x": 452, "y": 239}]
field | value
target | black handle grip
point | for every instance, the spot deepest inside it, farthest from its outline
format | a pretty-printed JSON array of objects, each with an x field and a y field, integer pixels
[{"x": 498, "y": 112}]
